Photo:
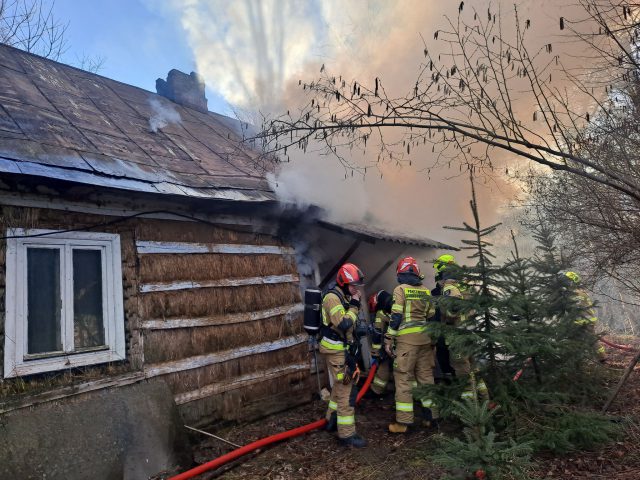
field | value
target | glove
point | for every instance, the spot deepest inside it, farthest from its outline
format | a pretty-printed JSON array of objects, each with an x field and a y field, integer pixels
[
  {"x": 351, "y": 370},
  {"x": 388, "y": 347},
  {"x": 355, "y": 302},
  {"x": 361, "y": 329}
]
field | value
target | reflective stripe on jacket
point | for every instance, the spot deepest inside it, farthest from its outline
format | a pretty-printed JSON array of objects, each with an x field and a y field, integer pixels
[
  {"x": 415, "y": 304},
  {"x": 335, "y": 309}
]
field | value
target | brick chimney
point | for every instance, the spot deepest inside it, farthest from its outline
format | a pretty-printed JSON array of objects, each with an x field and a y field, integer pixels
[{"x": 187, "y": 90}]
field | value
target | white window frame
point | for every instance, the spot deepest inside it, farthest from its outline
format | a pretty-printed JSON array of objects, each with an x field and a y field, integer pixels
[{"x": 16, "y": 360}]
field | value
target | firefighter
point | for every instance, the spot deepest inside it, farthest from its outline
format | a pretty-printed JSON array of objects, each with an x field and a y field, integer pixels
[
  {"x": 459, "y": 365},
  {"x": 589, "y": 317},
  {"x": 380, "y": 305},
  {"x": 340, "y": 308},
  {"x": 408, "y": 341}
]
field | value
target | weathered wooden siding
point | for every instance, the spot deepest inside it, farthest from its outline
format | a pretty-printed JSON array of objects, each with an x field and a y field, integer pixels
[
  {"x": 221, "y": 319},
  {"x": 213, "y": 311}
]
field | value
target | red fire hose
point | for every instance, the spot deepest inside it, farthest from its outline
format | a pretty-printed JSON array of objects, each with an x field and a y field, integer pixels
[
  {"x": 615, "y": 345},
  {"x": 218, "y": 462}
]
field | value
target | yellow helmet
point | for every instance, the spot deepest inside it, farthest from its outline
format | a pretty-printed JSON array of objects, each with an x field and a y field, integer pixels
[
  {"x": 573, "y": 276},
  {"x": 442, "y": 261}
]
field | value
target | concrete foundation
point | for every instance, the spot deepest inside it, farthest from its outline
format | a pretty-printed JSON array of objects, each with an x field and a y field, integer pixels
[{"x": 127, "y": 433}]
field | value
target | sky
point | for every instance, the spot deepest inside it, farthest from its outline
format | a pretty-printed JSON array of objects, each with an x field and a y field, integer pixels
[
  {"x": 252, "y": 54},
  {"x": 140, "y": 40}
]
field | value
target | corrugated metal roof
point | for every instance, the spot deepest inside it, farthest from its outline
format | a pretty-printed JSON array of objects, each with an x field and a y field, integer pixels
[
  {"x": 60, "y": 122},
  {"x": 371, "y": 234}
]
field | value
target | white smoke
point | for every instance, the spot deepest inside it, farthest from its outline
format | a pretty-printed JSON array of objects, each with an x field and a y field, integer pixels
[{"x": 162, "y": 116}]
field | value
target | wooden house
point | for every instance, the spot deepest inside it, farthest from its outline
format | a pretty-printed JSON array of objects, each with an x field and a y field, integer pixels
[{"x": 140, "y": 243}]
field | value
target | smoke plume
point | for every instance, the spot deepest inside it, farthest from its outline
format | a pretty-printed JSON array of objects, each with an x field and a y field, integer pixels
[
  {"x": 254, "y": 53},
  {"x": 162, "y": 116}
]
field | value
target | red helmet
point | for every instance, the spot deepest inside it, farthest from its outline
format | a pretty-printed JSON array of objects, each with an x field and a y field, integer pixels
[
  {"x": 349, "y": 274},
  {"x": 408, "y": 265},
  {"x": 373, "y": 302}
]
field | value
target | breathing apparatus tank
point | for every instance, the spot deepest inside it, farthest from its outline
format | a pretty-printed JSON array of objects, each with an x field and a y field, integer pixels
[{"x": 312, "y": 311}]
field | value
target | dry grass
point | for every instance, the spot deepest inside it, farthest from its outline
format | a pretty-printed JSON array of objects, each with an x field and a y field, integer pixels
[
  {"x": 178, "y": 231},
  {"x": 204, "y": 302},
  {"x": 174, "y": 344},
  {"x": 211, "y": 266},
  {"x": 188, "y": 380}
]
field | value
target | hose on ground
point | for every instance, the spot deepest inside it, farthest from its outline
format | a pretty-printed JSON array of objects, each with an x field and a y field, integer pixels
[
  {"x": 263, "y": 442},
  {"x": 615, "y": 345}
]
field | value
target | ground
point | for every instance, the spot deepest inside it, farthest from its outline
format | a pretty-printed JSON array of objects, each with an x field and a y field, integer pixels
[{"x": 318, "y": 456}]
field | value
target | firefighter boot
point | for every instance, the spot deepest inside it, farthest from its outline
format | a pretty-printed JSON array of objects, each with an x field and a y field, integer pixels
[
  {"x": 332, "y": 423},
  {"x": 396, "y": 427},
  {"x": 354, "y": 440},
  {"x": 427, "y": 419}
]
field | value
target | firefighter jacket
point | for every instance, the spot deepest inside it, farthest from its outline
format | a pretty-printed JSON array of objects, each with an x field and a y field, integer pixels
[
  {"x": 339, "y": 315},
  {"x": 412, "y": 306},
  {"x": 588, "y": 315},
  {"x": 380, "y": 325},
  {"x": 451, "y": 314}
]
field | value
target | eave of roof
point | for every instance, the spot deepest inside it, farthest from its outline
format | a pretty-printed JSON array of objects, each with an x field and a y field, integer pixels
[{"x": 372, "y": 234}]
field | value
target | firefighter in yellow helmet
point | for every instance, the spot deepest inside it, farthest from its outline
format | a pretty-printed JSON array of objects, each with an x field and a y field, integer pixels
[
  {"x": 414, "y": 354},
  {"x": 589, "y": 317},
  {"x": 461, "y": 366},
  {"x": 340, "y": 308}
]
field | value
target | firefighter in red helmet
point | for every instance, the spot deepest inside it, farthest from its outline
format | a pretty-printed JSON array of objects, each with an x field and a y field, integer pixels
[
  {"x": 414, "y": 354},
  {"x": 340, "y": 308}
]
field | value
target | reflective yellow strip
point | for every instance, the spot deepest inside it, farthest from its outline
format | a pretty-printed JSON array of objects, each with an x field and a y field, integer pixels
[
  {"x": 376, "y": 346},
  {"x": 406, "y": 331},
  {"x": 404, "y": 407},
  {"x": 339, "y": 376},
  {"x": 333, "y": 405},
  {"x": 392, "y": 332},
  {"x": 601, "y": 349},
  {"x": 482, "y": 387},
  {"x": 414, "y": 384},
  {"x": 337, "y": 308},
  {"x": 397, "y": 308},
  {"x": 326, "y": 343},
  {"x": 352, "y": 314},
  {"x": 347, "y": 420},
  {"x": 428, "y": 403},
  {"x": 466, "y": 395},
  {"x": 379, "y": 382}
]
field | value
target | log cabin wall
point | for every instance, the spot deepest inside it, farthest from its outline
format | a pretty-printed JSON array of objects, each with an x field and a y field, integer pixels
[{"x": 211, "y": 310}]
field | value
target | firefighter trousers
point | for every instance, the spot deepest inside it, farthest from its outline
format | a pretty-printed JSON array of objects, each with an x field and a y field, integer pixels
[
  {"x": 464, "y": 371},
  {"x": 413, "y": 363},
  {"x": 381, "y": 379},
  {"x": 343, "y": 397}
]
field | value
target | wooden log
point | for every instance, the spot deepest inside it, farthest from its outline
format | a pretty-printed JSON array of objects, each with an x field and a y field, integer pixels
[
  {"x": 72, "y": 390},
  {"x": 226, "y": 282},
  {"x": 151, "y": 247},
  {"x": 238, "y": 382},
  {"x": 160, "y": 324},
  {"x": 224, "y": 356}
]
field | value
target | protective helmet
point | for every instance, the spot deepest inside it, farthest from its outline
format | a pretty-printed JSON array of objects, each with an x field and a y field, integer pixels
[
  {"x": 349, "y": 274},
  {"x": 408, "y": 265},
  {"x": 373, "y": 302},
  {"x": 382, "y": 300},
  {"x": 442, "y": 261},
  {"x": 573, "y": 276}
]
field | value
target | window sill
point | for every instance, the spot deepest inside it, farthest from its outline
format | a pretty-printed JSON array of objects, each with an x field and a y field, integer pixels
[
  {"x": 70, "y": 390},
  {"x": 50, "y": 364}
]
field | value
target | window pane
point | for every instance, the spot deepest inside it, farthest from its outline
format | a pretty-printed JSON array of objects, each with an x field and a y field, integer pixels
[
  {"x": 43, "y": 300},
  {"x": 88, "y": 326}
]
